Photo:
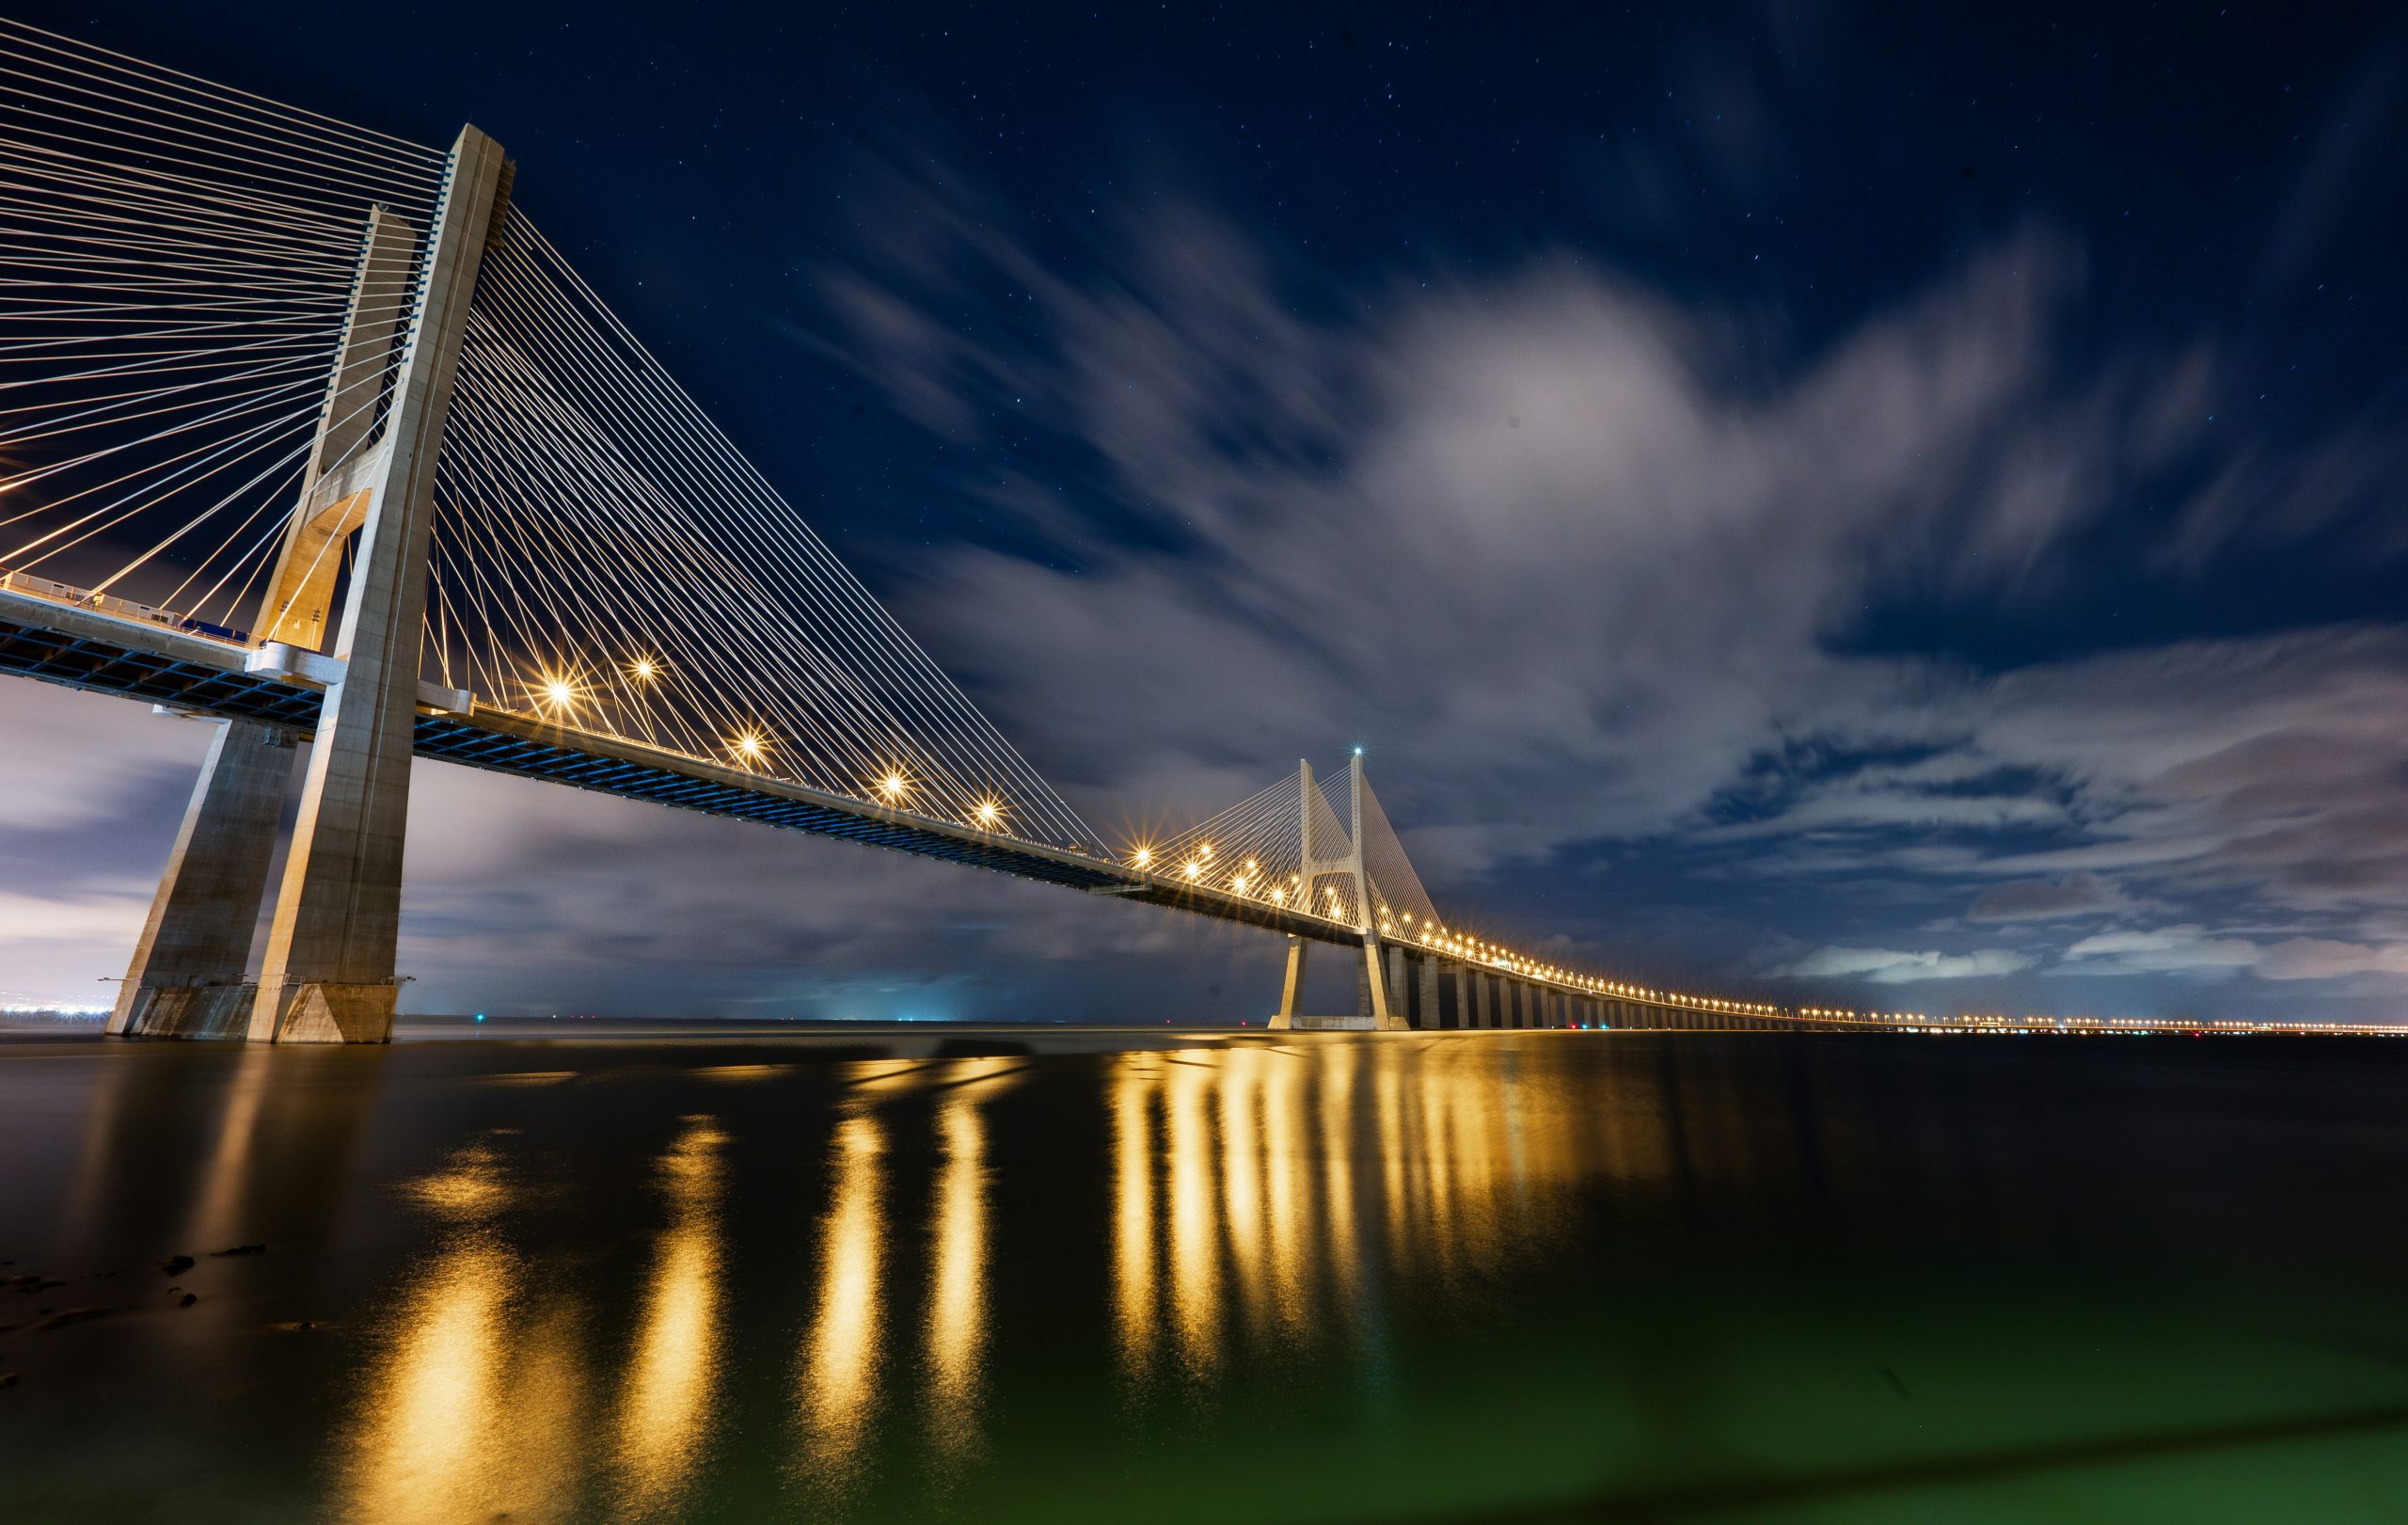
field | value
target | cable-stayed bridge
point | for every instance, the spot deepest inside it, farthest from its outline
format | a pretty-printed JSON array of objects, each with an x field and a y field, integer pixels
[{"x": 311, "y": 430}]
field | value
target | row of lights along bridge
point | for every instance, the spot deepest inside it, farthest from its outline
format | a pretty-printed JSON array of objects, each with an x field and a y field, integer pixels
[{"x": 558, "y": 695}]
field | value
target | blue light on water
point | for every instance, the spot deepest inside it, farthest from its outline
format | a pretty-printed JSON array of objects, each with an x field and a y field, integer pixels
[{"x": 481, "y": 1016}]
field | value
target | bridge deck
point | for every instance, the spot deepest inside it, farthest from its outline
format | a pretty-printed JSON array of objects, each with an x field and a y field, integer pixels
[
  {"x": 82, "y": 646},
  {"x": 93, "y": 649}
]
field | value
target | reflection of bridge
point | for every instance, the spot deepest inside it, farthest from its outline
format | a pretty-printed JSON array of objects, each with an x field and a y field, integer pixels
[{"x": 310, "y": 432}]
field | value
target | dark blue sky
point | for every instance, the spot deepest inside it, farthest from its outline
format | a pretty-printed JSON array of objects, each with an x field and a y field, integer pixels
[{"x": 1893, "y": 506}]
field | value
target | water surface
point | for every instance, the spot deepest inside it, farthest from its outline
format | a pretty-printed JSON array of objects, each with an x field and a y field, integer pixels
[{"x": 1206, "y": 1277}]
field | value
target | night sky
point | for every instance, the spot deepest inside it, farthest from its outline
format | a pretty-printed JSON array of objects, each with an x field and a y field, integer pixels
[{"x": 1897, "y": 507}]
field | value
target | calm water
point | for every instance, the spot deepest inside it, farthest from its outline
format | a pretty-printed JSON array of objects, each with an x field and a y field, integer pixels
[{"x": 1498, "y": 1277}]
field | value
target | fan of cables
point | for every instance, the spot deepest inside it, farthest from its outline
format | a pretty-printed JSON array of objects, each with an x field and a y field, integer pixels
[
  {"x": 1255, "y": 848},
  {"x": 185, "y": 265},
  {"x": 606, "y": 560},
  {"x": 1403, "y": 906},
  {"x": 176, "y": 260},
  {"x": 1258, "y": 847}
]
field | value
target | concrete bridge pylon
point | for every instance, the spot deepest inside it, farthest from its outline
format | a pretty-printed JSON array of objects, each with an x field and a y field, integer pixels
[
  {"x": 1378, "y": 1001},
  {"x": 328, "y": 976},
  {"x": 328, "y": 972}
]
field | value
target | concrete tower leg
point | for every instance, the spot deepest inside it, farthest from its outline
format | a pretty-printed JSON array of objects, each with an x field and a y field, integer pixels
[
  {"x": 1291, "y": 989},
  {"x": 1428, "y": 985},
  {"x": 328, "y": 977},
  {"x": 1371, "y": 989},
  {"x": 187, "y": 977}
]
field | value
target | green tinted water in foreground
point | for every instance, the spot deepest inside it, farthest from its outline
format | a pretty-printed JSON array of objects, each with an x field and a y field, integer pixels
[{"x": 1495, "y": 1277}]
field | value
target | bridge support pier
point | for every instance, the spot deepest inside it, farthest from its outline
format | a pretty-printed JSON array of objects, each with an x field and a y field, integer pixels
[
  {"x": 328, "y": 977},
  {"x": 1371, "y": 989},
  {"x": 186, "y": 976},
  {"x": 1376, "y": 993},
  {"x": 1426, "y": 987},
  {"x": 328, "y": 974},
  {"x": 1291, "y": 990}
]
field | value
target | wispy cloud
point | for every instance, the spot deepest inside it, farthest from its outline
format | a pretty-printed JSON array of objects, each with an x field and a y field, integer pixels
[
  {"x": 2028, "y": 899},
  {"x": 1888, "y": 966},
  {"x": 1587, "y": 567},
  {"x": 2188, "y": 949}
]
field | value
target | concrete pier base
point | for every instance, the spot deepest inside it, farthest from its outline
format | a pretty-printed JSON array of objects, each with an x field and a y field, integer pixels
[
  {"x": 326, "y": 1011},
  {"x": 184, "y": 1011},
  {"x": 185, "y": 979}
]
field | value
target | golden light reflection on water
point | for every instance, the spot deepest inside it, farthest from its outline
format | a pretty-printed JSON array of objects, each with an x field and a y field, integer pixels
[
  {"x": 662, "y": 1426},
  {"x": 1242, "y": 1174},
  {"x": 1264, "y": 1199},
  {"x": 216, "y": 1213},
  {"x": 841, "y": 1358},
  {"x": 1278, "y": 1161},
  {"x": 1334, "y": 1096},
  {"x": 958, "y": 1232},
  {"x": 459, "y": 1365},
  {"x": 427, "y": 1454},
  {"x": 1288, "y": 1181},
  {"x": 1135, "y": 1299},
  {"x": 1194, "y": 1214}
]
